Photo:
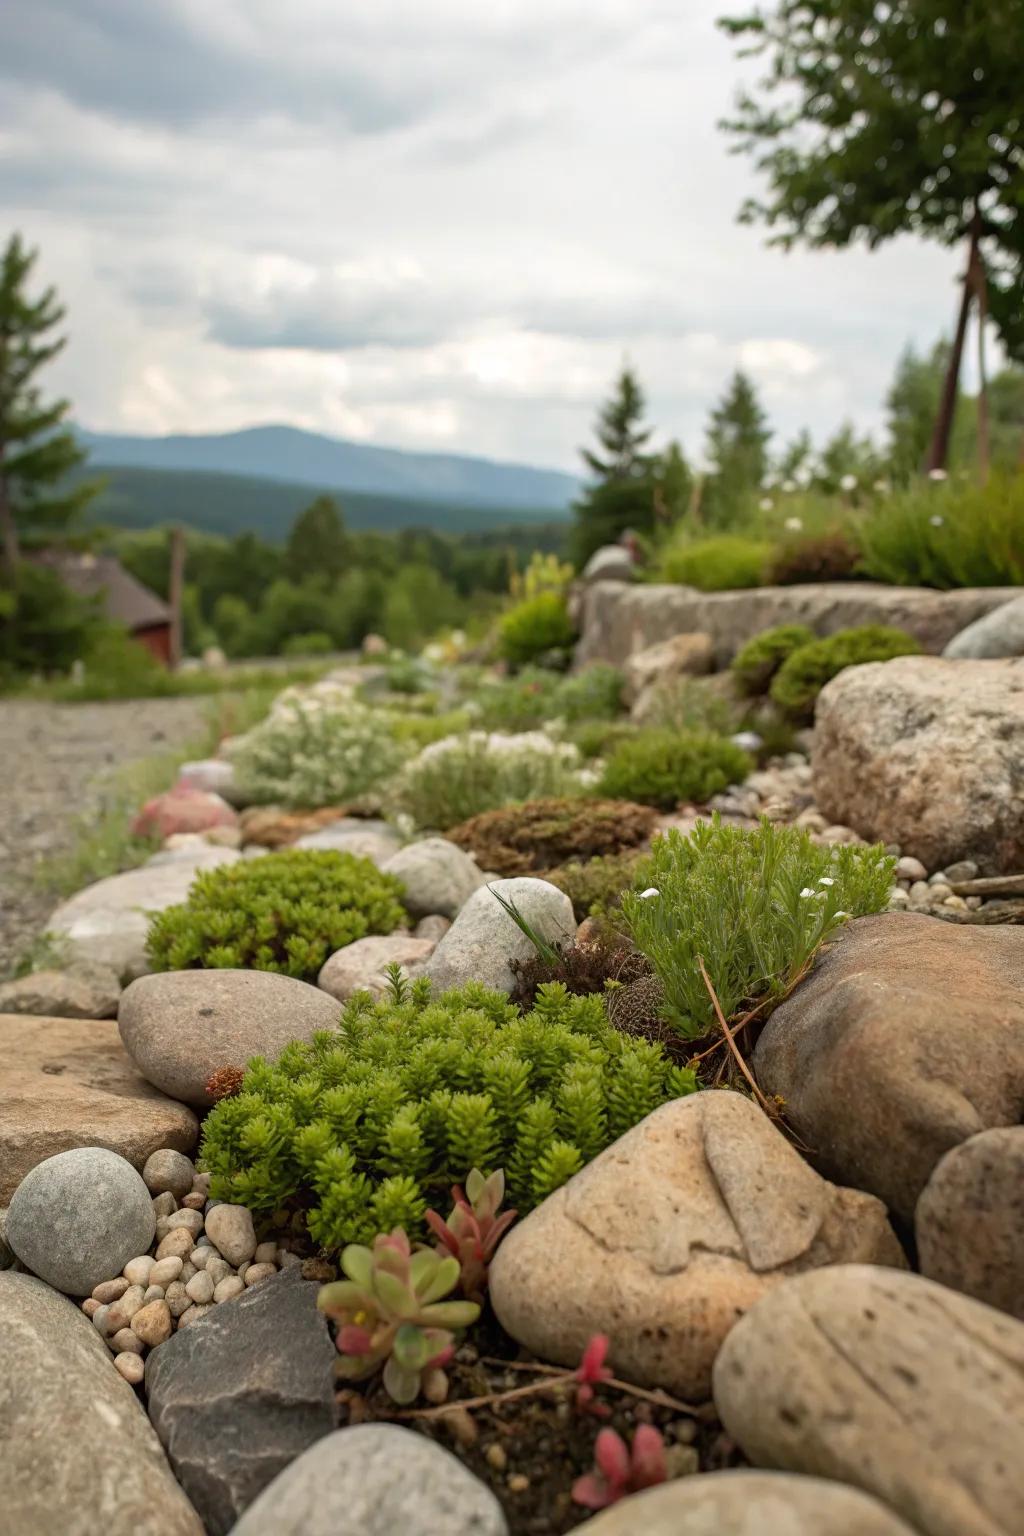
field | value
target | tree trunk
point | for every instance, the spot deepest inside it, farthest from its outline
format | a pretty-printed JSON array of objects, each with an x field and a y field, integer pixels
[
  {"x": 938, "y": 453},
  {"x": 984, "y": 440},
  {"x": 8, "y": 530}
]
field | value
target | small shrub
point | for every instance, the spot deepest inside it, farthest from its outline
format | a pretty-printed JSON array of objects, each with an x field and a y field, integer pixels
[
  {"x": 525, "y": 839},
  {"x": 595, "y": 693},
  {"x": 814, "y": 557},
  {"x": 596, "y": 886},
  {"x": 756, "y": 663},
  {"x": 462, "y": 776},
  {"x": 367, "y": 1127},
  {"x": 282, "y": 912},
  {"x": 596, "y": 738},
  {"x": 754, "y": 906},
  {"x": 689, "y": 704},
  {"x": 581, "y": 968},
  {"x": 315, "y": 643},
  {"x": 44, "y": 626},
  {"x": 535, "y": 626},
  {"x": 518, "y": 703},
  {"x": 661, "y": 768},
  {"x": 805, "y": 671},
  {"x": 723, "y": 564},
  {"x": 954, "y": 535},
  {"x": 419, "y": 731},
  {"x": 311, "y": 752}
]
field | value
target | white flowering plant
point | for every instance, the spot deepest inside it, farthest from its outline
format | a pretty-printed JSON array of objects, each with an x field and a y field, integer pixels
[
  {"x": 316, "y": 749},
  {"x": 460, "y": 776},
  {"x": 753, "y": 906}
]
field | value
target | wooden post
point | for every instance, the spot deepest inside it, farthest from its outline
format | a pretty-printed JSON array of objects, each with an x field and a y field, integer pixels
[
  {"x": 984, "y": 434},
  {"x": 175, "y": 590},
  {"x": 938, "y": 453}
]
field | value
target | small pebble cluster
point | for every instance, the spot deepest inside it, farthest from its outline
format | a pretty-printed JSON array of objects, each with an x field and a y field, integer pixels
[
  {"x": 918, "y": 890},
  {"x": 204, "y": 1253}
]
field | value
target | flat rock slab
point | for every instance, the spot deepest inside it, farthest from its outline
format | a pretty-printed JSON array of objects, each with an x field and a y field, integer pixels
[
  {"x": 891, "y": 1383},
  {"x": 70, "y": 1083},
  {"x": 79, "y": 1455},
  {"x": 240, "y": 1394}
]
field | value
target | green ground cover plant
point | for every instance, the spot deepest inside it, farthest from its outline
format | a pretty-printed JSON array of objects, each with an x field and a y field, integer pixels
[
  {"x": 662, "y": 767},
  {"x": 959, "y": 534},
  {"x": 461, "y": 777},
  {"x": 725, "y": 563},
  {"x": 284, "y": 912},
  {"x": 596, "y": 886},
  {"x": 535, "y": 627},
  {"x": 753, "y": 906},
  {"x": 367, "y": 1127},
  {"x": 756, "y": 663},
  {"x": 309, "y": 753},
  {"x": 806, "y": 670}
]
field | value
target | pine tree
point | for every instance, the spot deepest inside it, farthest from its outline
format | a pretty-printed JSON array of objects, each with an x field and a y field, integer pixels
[
  {"x": 737, "y": 451},
  {"x": 673, "y": 486},
  {"x": 317, "y": 544},
  {"x": 36, "y": 452},
  {"x": 623, "y": 494}
]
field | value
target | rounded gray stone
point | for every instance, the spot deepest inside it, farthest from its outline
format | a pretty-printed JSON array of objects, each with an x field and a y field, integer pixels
[
  {"x": 996, "y": 634},
  {"x": 439, "y": 877},
  {"x": 180, "y": 1026},
  {"x": 969, "y": 1221},
  {"x": 374, "y": 1480},
  {"x": 484, "y": 937},
  {"x": 77, "y": 1218},
  {"x": 170, "y": 1172}
]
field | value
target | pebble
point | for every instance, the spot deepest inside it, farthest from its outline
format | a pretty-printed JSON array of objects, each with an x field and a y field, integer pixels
[
  {"x": 164, "y": 1204},
  {"x": 230, "y": 1286},
  {"x": 153, "y": 1293},
  {"x": 192, "y": 1221},
  {"x": 265, "y": 1253},
  {"x": 231, "y": 1229},
  {"x": 899, "y": 900},
  {"x": 973, "y": 903},
  {"x": 99, "y": 1318},
  {"x": 920, "y": 893},
  {"x": 127, "y": 1305},
  {"x": 939, "y": 890},
  {"x": 170, "y": 1172},
  {"x": 218, "y": 1269},
  {"x": 910, "y": 869},
  {"x": 165, "y": 1271},
  {"x": 137, "y": 1271},
  {"x": 131, "y": 1367},
  {"x": 194, "y": 1313},
  {"x": 153, "y": 1324},
  {"x": 956, "y": 902},
  {"x": 90, "y": 1306},
  {"x": 110, "y": 1290},
  {"x": 518, "y": 1482},
  {"x": 124, "y": 1340},
  {"x": 964, "y": 869},
  {"x": 201, "y": 1184},
  {"x": 194, "y": 1202},
  {"x": 177, "y": 1298},
  {"x": 188, "y": 1269},
  {"x": 201, "y": 1256},
  {"x": 257, "y": 1272},
  {"x": 200, "y": 1287},
  {"x": 177, "y": 1244},
  {"x": 287, "y": 1259},
  {"x": 496, "y": 1457}
]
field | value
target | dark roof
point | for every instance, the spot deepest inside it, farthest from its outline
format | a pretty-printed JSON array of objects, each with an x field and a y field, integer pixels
[{"x": 125, "y": 600}]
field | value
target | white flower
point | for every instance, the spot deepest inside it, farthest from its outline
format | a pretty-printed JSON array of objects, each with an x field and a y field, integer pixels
[
  {"x": 766, "y": 504},
  {"x": 652, "y": 890},
  {"x": 826, "y": 880},
  {"x": 841, "y": 915},
  {"x": 789, "y": 486},
  {"x": 848, "y": 483},
  {"x": 794, "y": 524},
  {"x": 807, "y": 894},
  {"x": 936, "y": 521},
  {"x": 937, "y": 474}
]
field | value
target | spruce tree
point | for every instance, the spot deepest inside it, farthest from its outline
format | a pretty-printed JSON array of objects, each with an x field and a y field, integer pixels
[
  {"x": 318, "y": 544},
  {"x": 737, "y": 451},
  {"x": 36, "y": 451},
  {"x": 623, "y": 493}
]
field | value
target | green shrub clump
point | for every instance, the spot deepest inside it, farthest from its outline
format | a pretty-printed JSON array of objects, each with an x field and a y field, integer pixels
[
  {"x": 284, "y": 912},
  {"x": 754, "y": 906},
  {"x": 804, "y": 673},
  {"x": 596, "y": 886},
  {"x": 726, "y": 563},
  {"x": 535, "y": 695},
  {"x": 535, "y": 627},
  {"x": 830, "y": 556},
  {"x": 369, "y": 1126},
  {"x": 661, "y": 767},
  {"x": 312, "y": 751},
  {"x": 537, "y": 836},
  {"x": 955, "y": 535},
  {"x": 756, "y": 663},
  {"x": 461, "y": 776}
]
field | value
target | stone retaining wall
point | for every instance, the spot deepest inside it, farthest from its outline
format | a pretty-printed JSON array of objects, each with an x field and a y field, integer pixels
[{"x": 619, "y": 617}]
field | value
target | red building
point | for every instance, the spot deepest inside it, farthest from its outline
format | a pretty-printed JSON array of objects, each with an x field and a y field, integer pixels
[{"x": 123, "y": 600}]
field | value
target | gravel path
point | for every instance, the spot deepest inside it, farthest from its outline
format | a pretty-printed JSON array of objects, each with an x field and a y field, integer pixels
[{"x": 53, "y": 762}]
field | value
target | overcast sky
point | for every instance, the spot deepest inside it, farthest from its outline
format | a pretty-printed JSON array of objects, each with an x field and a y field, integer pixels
[{"x": 434, "y": 225}]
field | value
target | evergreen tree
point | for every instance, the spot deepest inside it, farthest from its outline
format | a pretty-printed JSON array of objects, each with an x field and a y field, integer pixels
[
  {"x": 737, "y": 451},
  {"x": 794, "y": 466},
  {"x": 844, "y": 457},
  {"x": 623, "y": 493},
  {"x": 317, "y": 544},
  {"x": 673, "y": 492},
  {"x": 36, "y": 452},
  {"x": 880, "y": 120}
]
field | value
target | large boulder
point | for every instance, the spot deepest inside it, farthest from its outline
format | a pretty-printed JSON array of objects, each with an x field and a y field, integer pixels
[
  {"x": 361, "y": 965},
  {"x": 999, "y": 633},
  {"x": 619, "y": 618},
  {"x": 485, "y": 937},
  {"x": 668, "y": 1236},
  {"x": 969, "y": 1221},
  {"x": 438, "y": 876},
  {"x": 180, "y": 1026},
  {"x": 79, "y": 1454},
  {"x": 686, "y": 655},
  {"x": 77, "y": 1218},
  {"x": 890, "y": 1383},
  {"x": 107, "y": 922},
  {"x": 906, "y": 1039},
  {"x": 747, "y": 1503},
  {"x": 375, "y": 1480},
  {"x": 81, "y": 991},
  {"x": 70, "y": 1083},
  {"x": 239, "y": 1395},
  {"x": 929, "y": 754}
]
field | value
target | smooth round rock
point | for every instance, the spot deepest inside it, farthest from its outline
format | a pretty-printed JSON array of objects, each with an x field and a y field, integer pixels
[
  {"x": 265, "y": 1253},
  {"x": 164, "y": 1205},
  {"x": 110, "y": 1290},
  {"x": 218, "y": 1269},
  {"x": 177, "y": 1244},
  {"x": 969, "y": 1221},
  {"x": 77, "y": 1218},
  {"x": 169, "y": 1171},
  {"x": 125, "y": 1340},
  {"x": 165, "y": 1271},
  {"x": 194, "y": 1313},
  {"x": 153, "y": 1324},
  {"x": 200, "y": 1288},
  {"x": 153, "y": 1293},
  {"x": 192, "y": 1221},
  {"x": 225, "y": 1289},
  {"x": 177, "y": 1298},
  {"x": 257, "y": 1272},
  {"x": 137, "y": 1271},
  {"x": 231, "y": 1231},
  {"x": 131, "y": 1366}
]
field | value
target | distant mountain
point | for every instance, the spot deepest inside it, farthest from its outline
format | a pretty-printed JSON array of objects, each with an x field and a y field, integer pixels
[
  {"x": 231, "y": 504},
  {"x": 311, "y": 459}
]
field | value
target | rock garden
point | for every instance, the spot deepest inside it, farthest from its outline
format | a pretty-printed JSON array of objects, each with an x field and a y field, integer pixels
[{"x": 546, "y": 1089}]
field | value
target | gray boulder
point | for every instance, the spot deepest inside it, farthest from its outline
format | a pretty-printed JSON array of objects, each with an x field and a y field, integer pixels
[
  {"x": 376, "y": 1480},
  {"x": 439, "y": 877},
  {"x": 79, "y": 1454},
  {"x": 999, "y": 633},
  {"x": 612, "y": 562},
  {"x": 82, "y": 991},
  {"x": 376, "y": 845},
  {"x": 360, "y": 966},
  {"x": 77, "y": 1218},
  {"x": 180, "y": 1026},
  {"x": 484, "y": 937},
  {"x": 238, "y": 1396},
  {"x": 969, "y": 1221}
]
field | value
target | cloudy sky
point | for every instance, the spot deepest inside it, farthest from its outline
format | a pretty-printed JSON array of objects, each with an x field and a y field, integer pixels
[{"x": 434, "y": 225}]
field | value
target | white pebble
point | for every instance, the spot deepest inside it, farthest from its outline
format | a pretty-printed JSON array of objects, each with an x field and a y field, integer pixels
[
  {"x": 231, "y": 1229},
  {"x": 973, "y": 903},
  {"x": 256, "y": 1272},
  {"x": 188, "y": 1269},
  {"x": 166, "y": 1271},
  {"x": 153, "y": 1293},
  {"x": 910, "y": 869},
  {"x": 939, "y": 890},
  {"x": 200, "y": 1287},
  {"x": 200, "y": 1257},
  {"x": 110, "y": 1290},
  {"x": 192, "y": 1221},
  {"x": 956, "y": 902},
  {"x": 131, "y": 1367},
  {"x": 217, "y": 1268},
  {"x": 137, "y": 1271},
  {"x": 265, "y": 1253},
  {"x": 230, "y": 1286},
  {"x": 124, "y": 1339}
]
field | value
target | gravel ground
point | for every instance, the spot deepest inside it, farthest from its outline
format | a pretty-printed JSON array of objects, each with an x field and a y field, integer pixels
[{"x": 54, "y": 760}]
